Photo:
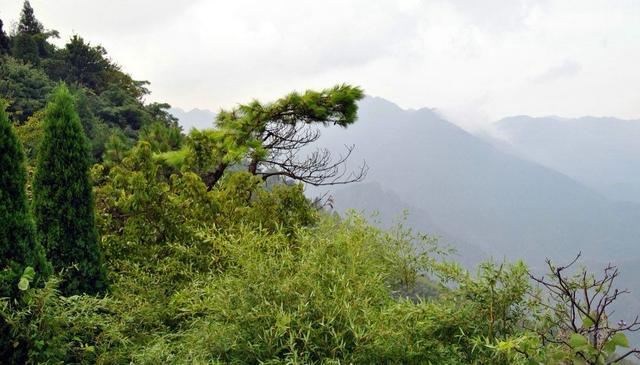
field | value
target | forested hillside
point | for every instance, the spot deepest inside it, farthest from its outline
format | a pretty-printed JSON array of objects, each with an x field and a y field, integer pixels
[{"x": 125, "y": 240}]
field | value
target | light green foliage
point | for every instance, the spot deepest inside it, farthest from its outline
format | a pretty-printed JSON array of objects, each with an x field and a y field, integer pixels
[
  {"x": 304, "y": 300},
  {"x": 137, "y": 200},
  {"x": 63, "y": 200},
  {"x": 30, "y": 135},
  {"x": 48, "y": 328},
  {"x": 244, "y": 127},
  {"x": 244, "y": 274},
  {"x": 162, "y": 138},
  {"x": 174, "y": 159},
  {"x": 116, "y": 147}
]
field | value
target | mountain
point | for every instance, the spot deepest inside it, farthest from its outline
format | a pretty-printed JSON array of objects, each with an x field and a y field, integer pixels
[
  {"x": 602, "y": 153},
  {"x": 503, "y": 204},
  {"x": 194, "y": 118}
]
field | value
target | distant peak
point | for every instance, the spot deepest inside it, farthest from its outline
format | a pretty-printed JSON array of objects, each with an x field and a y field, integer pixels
[{"x": 380, "y": 102}]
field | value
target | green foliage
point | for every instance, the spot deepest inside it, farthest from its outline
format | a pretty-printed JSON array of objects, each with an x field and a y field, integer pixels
[
  {"x": 63, "y": 200},
  {"x": 18, "y": 247},
  {"x": 47, "y": 328},
  {"x": 30, "y": 134},
  {"x": 86, "y": 65},
  {"x": 30, "y": 42},
  {"x": 331, "y": 106},
  {"x": 25, "y": 48},
  {"x": 261, "y": 136},
  {"x": 246, "y": 274},
  {"x": 116, "y": 147},
  {"x": 162, "y": 138},
  {"x": 20, "y": 253},
  {"x": 28, "y": 23},
  {"x": 107, "y": 98},
  {"x": 26, "y": 88}
]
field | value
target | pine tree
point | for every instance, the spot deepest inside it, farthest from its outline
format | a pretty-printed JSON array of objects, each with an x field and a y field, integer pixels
[
  {"x": 28, "y": 22},
  {"x": 18, "y": 246},
  {"x": 63, "y": 200}
]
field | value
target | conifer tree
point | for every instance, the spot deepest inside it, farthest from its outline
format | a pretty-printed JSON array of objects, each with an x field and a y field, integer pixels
[
  {"x": 28, "y": 22},
  {"x": 18, "y": 246},
  {"x": 63, "y": 199}
]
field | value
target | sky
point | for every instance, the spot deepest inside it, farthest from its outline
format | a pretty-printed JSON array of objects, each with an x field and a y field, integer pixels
[{"x": 475, "y": 61}]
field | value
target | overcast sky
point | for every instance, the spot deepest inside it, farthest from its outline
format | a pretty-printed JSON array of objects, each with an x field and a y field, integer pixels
[{"x": 475, "y": 60}]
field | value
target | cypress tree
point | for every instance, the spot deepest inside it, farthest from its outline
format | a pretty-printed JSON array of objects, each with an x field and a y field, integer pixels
[
  {"x": 63, "y": 200},
  {"x": 18, "y": 246}
]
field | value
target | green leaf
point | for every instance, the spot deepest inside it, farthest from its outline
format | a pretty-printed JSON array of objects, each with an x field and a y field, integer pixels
[
  {"x": 587, "y": 322},
  {"x": 29, "y": 273},
  {"x": 23, "y": 284},
  {"x": 27, "y": 276},
  {"x": 619, "y": 339},
  {"x": 577, "y": 340}
]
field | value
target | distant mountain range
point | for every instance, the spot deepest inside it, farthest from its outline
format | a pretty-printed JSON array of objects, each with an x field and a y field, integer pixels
[
  {"x": 486, "y": 197},
  {"x": 194, "y": 118},
  {"x": 602, "y": 153}
]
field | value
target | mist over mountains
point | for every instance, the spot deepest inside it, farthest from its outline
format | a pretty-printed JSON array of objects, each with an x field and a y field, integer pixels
[
  {"x": 602, "y": 153},
  {"x": 502, "y": 203},
  {"x": 545, "y": 187}
]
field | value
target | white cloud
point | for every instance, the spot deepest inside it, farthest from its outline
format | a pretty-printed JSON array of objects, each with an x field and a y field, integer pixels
[
  {"x": 567, "y": 68},
  {"x": 472, "y": 59}
]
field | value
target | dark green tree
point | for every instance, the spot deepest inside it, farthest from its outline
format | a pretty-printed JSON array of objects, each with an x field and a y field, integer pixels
[
  {"x": 31, "y": 41},
  {"x": 86, "y": 65},
  {"x": 18, "y": 246},
  {"x": 28, "y": 23},
  {"x": 63, "y": 199},
  {"x": 25, "y": 48},
  {"x": 4, "y": 40}
]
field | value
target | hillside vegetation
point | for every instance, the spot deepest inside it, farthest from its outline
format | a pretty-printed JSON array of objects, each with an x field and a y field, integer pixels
[{"x": 125, "y": 241}]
